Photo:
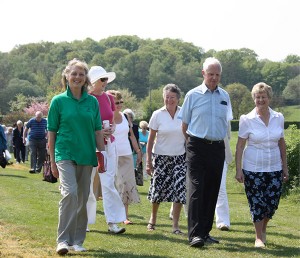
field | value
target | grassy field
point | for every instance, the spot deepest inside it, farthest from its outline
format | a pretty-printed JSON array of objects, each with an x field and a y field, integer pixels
[
  {"x": 291, "y": 113},
  {"x": 29, "y": 213}
]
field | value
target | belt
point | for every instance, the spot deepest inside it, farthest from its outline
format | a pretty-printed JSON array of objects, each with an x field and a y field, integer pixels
[{"x": 207, "y": 141}]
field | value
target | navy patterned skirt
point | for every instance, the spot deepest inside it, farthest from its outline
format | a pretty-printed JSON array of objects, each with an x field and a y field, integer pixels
[
  {"x": 263, "y": 190},
  {"x": 168, "y": 183}
]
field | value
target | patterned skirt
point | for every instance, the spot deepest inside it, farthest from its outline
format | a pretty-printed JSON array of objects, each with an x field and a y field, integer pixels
[
  {"x": 263, "y": 190},
  {"x": 168, "y": 182}
]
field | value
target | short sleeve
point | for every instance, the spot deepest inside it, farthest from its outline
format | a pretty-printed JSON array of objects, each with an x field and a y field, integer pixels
[
  {"x": 153, "y": 124},
  {"x": 243, "y": 127}
]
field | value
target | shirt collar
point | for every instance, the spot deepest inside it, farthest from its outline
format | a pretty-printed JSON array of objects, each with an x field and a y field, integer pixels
[
  {"x": 164, "y": 108},
  {"x": 84, "y": 94},
  {"x": 273, "y": 113},
  {"x": 203, "y": 88}
]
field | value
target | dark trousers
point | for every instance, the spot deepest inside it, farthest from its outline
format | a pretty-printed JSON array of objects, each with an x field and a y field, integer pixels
[
  {"x": 204, "y": 173},
  {"x": 38, "y": 153},
  {"x": 20, "y": 153}
]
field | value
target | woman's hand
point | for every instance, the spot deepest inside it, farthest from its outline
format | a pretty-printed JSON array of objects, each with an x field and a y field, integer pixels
[
  {"x": 54, "y": 169},
  {"x": 285, "y": 175},
  {"x": 239, "y": 176},
  {"x": 107, "y": 132},
  {"x": 149, "y": 168},
  {"x": 139, "y": 157}
]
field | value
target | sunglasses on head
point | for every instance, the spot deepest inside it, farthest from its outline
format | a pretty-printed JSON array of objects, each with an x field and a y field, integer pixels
[
  {"x": 119, "y": 102},
  {"x": 104, "y": 79}
]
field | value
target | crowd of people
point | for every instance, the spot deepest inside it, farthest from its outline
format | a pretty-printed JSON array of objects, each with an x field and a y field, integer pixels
[{"x": 184, "y": 150}]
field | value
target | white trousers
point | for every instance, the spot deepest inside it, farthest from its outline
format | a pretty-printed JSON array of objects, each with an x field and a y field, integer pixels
[
  {"x": 222, "y": 207},
  {"x": 113, "y": 206}
]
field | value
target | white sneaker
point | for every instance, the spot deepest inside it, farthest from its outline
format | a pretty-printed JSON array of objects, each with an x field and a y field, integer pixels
[
  {"x": 77, "y": 248},
  {"x": 62, "y": 248},
  {"x": 113, "y": 228}
]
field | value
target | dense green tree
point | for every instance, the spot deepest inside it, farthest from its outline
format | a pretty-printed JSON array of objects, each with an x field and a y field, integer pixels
[
  {"x": 240, "y": 98},
  {"x": 141, "y": 65},
  {"x": 20, "y": 102},
  {"x": 292, "y": 59},
  {"x": 292, "y": 90},
  {"x": 14, "y": 88},
  {"x": 274, "y": 75}
]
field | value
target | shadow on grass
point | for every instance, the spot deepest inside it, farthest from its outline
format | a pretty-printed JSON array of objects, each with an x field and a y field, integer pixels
[
  {"x": 9, "y": 175},
  {"x": 105, "y": 253},
  {"x": 235, "y": 245}
]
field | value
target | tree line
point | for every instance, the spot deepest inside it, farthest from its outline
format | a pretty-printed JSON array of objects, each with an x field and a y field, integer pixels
[{"x": 31, "y": 73}]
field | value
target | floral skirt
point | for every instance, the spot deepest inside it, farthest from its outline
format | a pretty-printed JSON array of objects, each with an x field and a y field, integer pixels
[
  {"x": 168, "y": 182},
  {"x": 263, "y": 190}
]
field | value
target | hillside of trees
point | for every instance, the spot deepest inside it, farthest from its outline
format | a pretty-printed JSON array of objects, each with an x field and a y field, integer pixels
[{"x": 31, "y": 73}]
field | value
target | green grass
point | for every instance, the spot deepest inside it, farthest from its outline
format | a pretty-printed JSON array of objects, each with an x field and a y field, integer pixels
[
  {"x": 29, "y": 213},
  {"x": 291, "y": 113}
]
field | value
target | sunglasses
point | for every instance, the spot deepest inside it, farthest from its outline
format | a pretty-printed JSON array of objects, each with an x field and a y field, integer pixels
[
  {"x": 119, "y": 102},
  {"x": 104, "y": 79}
]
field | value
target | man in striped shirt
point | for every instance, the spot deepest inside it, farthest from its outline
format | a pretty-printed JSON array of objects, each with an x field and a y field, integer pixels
[{"x": 37, "y": 141}]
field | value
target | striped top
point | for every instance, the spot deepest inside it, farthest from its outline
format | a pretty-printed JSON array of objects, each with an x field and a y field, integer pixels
[{"x": 37, "y": 129}]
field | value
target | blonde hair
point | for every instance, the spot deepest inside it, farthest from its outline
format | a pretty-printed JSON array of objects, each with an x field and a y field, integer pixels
[
  {"x": 261, "y": 87},
  {"x": 76, "y": 63},
  {"x": 115, "y": 93},
  {"x": 143, "y": 124}
]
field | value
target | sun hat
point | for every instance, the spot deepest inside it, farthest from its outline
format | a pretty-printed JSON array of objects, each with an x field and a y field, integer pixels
[{"x": 97, "y": 72}]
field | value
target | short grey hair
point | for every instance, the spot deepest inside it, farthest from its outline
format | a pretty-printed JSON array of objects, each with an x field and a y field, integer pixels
[
  {"x": 211, "y": 61},
  {"x": 129, "y": 112},
  {"x": 171, "y": 87}
]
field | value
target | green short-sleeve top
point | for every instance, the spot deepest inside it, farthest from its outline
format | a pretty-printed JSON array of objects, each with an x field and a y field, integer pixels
[{"x": 75, "y": 122}]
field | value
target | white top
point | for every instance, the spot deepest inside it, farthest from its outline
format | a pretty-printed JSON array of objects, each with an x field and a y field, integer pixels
[
  {"x": 121, "y": 138},
  {"x": 262, "y": 152},
  {"x": 169, "y": 138}
]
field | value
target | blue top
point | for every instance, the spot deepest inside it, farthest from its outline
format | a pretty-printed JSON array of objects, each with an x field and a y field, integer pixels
[
  {"x": 37, "y": 129},
  {"x": 3, "y": 145},
  {"x": 144, "y": 139},
  {"x": 207, "y": 113}
]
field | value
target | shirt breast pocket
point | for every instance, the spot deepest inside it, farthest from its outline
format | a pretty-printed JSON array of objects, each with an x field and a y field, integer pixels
[{"x": 221, "y": 110}]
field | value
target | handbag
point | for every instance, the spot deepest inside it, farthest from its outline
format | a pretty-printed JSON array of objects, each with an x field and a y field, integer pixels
[
  {"x": 101, "y": 156},
  {"x": 138, "y": 171},
  {"x": 47, "y": 173},
  {"x": 3, "y": 160}
]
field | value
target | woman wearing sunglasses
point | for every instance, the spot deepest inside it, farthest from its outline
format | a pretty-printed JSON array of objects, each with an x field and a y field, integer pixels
[
  {"x": 125, "y": 181},
  {"x": 114, "y": 209}
]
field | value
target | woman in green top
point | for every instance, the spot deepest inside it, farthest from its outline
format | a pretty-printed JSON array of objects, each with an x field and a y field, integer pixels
[{"x": 74, "y": 127}]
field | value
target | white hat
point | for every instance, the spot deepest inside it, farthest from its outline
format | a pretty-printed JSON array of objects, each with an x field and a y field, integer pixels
[{"x": 97, "y": 72}]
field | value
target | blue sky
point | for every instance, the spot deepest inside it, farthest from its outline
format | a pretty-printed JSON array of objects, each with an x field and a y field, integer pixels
[{"x": 269, "y": 27}]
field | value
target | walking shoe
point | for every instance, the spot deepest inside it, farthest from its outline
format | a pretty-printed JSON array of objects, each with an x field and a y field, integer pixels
[
  {"x": 197, "y": 242},
  {"x": 113, "y": 228},
  {"x": 32, "y": 171},
  {"x": 209, "y": 239},
  {"x": 223, "y": 227},
  {"x": 77, "y": 248},
  {"x": 62, "y": 248}
]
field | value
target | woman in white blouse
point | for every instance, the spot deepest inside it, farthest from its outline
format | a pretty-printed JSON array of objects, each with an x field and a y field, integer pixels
[
  {"x": 262, "y": 165},
  {"x": 165, "y": 158},
  {"x": 125, "y": 177}
]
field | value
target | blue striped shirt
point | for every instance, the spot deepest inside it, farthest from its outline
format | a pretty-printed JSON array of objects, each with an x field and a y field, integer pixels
[
  {"x": 207, "y": 113},
  {"x": 37, "y": 129}
]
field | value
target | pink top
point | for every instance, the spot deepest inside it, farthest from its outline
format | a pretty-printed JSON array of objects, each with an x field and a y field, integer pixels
[{"x": 107, "y": 107}]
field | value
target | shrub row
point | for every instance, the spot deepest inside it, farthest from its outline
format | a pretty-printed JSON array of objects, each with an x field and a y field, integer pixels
[{"x": 235, "y": 124}]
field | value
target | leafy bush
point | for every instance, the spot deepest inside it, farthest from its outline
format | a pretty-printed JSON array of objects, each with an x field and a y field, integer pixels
[{"x": 292, "y": 138}]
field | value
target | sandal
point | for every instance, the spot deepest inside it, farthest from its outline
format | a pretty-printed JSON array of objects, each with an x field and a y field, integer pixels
[
  {"x": 150, "y": 227},
  {"x": 128, "y": 222},
  {"x": 177, "y": 232}
]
